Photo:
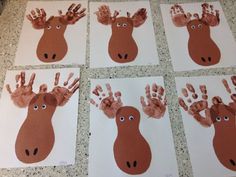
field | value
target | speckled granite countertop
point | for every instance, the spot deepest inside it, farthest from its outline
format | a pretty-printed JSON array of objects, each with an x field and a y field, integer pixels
[{"x": 10, "y": 28}]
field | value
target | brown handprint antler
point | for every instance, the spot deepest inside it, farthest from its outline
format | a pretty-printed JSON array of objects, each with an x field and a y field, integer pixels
[
  {"x": 37, "y": 18},
  {"x": 104, "y": 15},
  {"x": 155, "y": 106},
  {"x": 139, "y": 17},
  {"x": 178, "y": 16},
  {"x": 209, "y": 16},
  {"x": 108, "y": 103},
  {"x": 198, "y": 106},
  {"x": 22, "y": 95},
  {"x": 73, "y": 14}
]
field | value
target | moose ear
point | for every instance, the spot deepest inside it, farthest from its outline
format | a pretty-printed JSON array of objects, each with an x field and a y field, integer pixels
[{"x": 50, "y": 99}]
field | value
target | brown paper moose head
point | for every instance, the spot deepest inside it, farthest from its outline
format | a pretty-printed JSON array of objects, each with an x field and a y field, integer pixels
[
  {"x": 202, "y": 49},
  {"x": 221, "y": 116},
  {"x": 132, "y": 152},
  {"x": 122, "y": 47},
  {"x": 52, "y": 46},
  {"x": 36, "y": 137}
]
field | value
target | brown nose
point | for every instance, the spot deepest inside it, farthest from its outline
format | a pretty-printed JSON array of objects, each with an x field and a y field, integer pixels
[
  {"x": 31, "y": 152},
  {"x": 131, "y": 164}
]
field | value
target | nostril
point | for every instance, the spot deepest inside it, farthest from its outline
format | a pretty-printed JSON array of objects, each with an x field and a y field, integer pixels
[
  {"x": 46, "y": 55},
  {"x": 232, "y": 162},
  {"x": 135, "y": 163},
  {"x": 27, "y": 152},
  {"x": 209, "y": 59},
  {"x": 35, "y": 151},
  {"x": 120, "y": 56},
  {"x": 54, "y": 56},
  {"x": 203, "y": 59},
  {"x": 128, "y": 164},
  {"x": 126, "y": 56}
]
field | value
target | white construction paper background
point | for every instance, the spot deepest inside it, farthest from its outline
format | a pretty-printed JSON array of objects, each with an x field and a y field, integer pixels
[
  {"x": 103, "y": 130},
  {"x": 75, "y": 35},
  {"x": 199, "y": 139},
  {"x": 64, "y": 121},
  {"x": 177, "y": 38},
  {"x": 143, "y": 35}
]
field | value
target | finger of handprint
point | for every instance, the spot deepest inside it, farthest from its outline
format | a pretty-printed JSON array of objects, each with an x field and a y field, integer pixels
[
  {"x": 183, "y": 104},
  {"x": 82, "y": 11},
  {"x": 93, "y": 102},
  {"x": 76, "y": 87},
  {"x": 191, "y": 89},
  {"x": 68, "y": 79},
  {"x": 33, "y": 14},
  {"x": 38, "y": 12},
  {"x": 160, "y": 91},
  {"x": 108, "y": 86},
  {"x": 56, "y": 79},
  {"x": 225, "y": 83},
  {"x": 216, "y": 100},
  {"x": 184, "y": 92},
  {"x": 76, "y": 80},
  {"x": 22, "y": 78},
  {"x": 148, "y": 92},
  {"x": 29, "y": 17},
  {"x": 31, "y": 81},
  {"x": 143, "y": 103},
  {"x": 43, "y": 88},
  {"x": 233, "y": 79},
  {"x": 43, "y": 13},
  {"x": 71, "y": 7},
  {"x": 164, "y": 101},
  {"x": 77, "y": 8},
  {"x": 203, "y": 91},
  {"x": 233, "y": 97},
  {"x": 8, "y": 89}
]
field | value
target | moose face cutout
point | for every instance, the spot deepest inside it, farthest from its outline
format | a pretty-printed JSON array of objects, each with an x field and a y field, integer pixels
[
  {"x": 36, "y": 137},
  {"x": 202, "y": 49},
  {"x": 122, "y": 48},
  {"x": 132, "y": 152},
  {"x": 220, "y": 115},
  {"x": 52, "y": 46}
]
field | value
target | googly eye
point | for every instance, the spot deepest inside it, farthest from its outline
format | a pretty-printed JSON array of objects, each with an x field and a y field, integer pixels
[
  {"x": 193, "y": 27},
  {"x": 118, "y": 25},
  {"x": 124, "y": 25},
  {"x": 199, "y": 25},
  {"x": 36, "y": 107},
  {"x": 44, "y": 106},
  {"x": 58, "y": 27},
  {"x": 226, "y": 118},
  {"x": 122, "y": 119},
  {"x": 131, "y": 117},
  {"x": 49, "y": 27},
  {"x": 218, "y": 119}
]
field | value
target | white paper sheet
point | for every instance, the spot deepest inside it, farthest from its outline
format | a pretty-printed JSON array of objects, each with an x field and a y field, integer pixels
[
  {"x": 177, "y": 38},
  {"x": 64, "y": 120},
  {"x": 75, "y": 35},
  {"x": 157, "y": 132},
  {"x": 200, "y": 139},
  {"x": 143, "y": 35}
]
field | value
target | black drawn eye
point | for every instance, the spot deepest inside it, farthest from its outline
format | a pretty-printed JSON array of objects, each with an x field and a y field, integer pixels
[
  {"x": 124, "y": 25},
  {"x": 49, "y": 27},
  {"x": 118, "y": 25},
  {"x": 199, "y": 25},
  {"x": 44, "y": 106},
  {"x": 36, "y": 107},
  {"x": 58, "y": 27},
  {"x": 218, "y": 119},
  {"x": 226, "y": 118},
  {"x": 131, "y": 117},
  {"x": 193, "y": 27},
  {"x": 122, "y": 119}
]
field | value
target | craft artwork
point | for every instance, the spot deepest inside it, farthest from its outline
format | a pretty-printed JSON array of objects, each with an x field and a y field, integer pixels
[
  {"x": 220, "y": 115},
  {"x": 122, "y": 47},
  {"x": 202, "y": 48},
  {"x": 52, "y": 46},
  {"x": 131, "y": 150},
  {"x": 36, "y": 137}
]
